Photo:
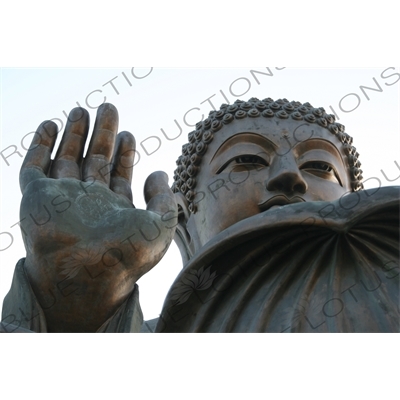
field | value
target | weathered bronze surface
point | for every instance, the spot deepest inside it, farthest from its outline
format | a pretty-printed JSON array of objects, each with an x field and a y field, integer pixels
[
  {"x": 87, "y": 251},
  {"x": 275, "y": 232},
  {"x": 314, "y": 267}
]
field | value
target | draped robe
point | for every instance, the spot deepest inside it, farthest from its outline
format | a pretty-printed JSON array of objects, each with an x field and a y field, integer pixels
[{"x": 305, "y": 267}]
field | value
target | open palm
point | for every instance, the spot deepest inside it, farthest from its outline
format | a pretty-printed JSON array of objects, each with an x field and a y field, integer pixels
[{"x": 86, "y": 243}]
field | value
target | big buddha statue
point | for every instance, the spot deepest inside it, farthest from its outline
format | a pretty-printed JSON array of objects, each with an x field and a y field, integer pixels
[{"x": 267, "y": 207}]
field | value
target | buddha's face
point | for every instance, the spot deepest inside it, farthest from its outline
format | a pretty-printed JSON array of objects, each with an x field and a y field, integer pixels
[{"x": 254, "y": 165}]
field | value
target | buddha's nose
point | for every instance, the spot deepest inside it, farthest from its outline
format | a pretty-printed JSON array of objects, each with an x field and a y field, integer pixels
[{"x": 286, "y": 177}]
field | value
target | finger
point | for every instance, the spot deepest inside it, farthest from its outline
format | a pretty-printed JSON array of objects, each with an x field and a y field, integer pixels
[
  {"x": 38, "y": 158},
  {"x": 70, "y": 152},
  {"x": 158, "y": 195},
  {"x": 97, "y": 163},
  {"x": 124, "y": 156}
]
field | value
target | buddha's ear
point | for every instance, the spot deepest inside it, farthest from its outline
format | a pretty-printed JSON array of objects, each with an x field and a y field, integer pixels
[{"x": 182, "y": 237}]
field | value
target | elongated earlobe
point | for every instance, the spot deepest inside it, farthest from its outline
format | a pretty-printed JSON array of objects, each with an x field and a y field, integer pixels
[
  {"x": 182, "y": 237},
  {"x": 183, "y": 208}
]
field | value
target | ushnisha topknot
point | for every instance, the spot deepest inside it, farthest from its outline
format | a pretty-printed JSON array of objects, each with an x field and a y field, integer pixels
[{"x": 192, "y": 152}]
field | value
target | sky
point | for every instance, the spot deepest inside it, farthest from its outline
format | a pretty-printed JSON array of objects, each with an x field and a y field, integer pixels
[{"x": 155, "y": 104}]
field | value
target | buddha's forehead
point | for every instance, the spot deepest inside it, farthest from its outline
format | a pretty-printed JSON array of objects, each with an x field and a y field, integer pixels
[{"x": 275, "y": 131}]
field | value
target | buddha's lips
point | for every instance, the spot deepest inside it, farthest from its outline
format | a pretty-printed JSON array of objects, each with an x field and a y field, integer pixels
[{"x": 279, "y": 200}]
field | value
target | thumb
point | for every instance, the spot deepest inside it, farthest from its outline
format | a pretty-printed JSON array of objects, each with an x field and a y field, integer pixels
[{"x": 158, "y": 195}]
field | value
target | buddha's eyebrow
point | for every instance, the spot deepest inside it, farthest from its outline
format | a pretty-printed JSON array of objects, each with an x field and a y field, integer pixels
[
  {"x": 245, "y": 138},
  {"x": 319, "y": 144}
]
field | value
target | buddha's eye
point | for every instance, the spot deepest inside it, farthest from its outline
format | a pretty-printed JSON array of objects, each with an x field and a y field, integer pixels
[
  {"x": 244, "y": 162},
  {"x": 318, "y": 166},
  {"x": 250, "y": 159},
  {"x": 322, "y": 170}
]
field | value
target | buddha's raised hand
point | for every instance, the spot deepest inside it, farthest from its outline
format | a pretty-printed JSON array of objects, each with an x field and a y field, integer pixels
[{"x": 86, "y": 243}]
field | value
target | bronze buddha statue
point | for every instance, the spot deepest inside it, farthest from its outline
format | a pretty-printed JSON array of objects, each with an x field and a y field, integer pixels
[{"x": 267, "y": 209}]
